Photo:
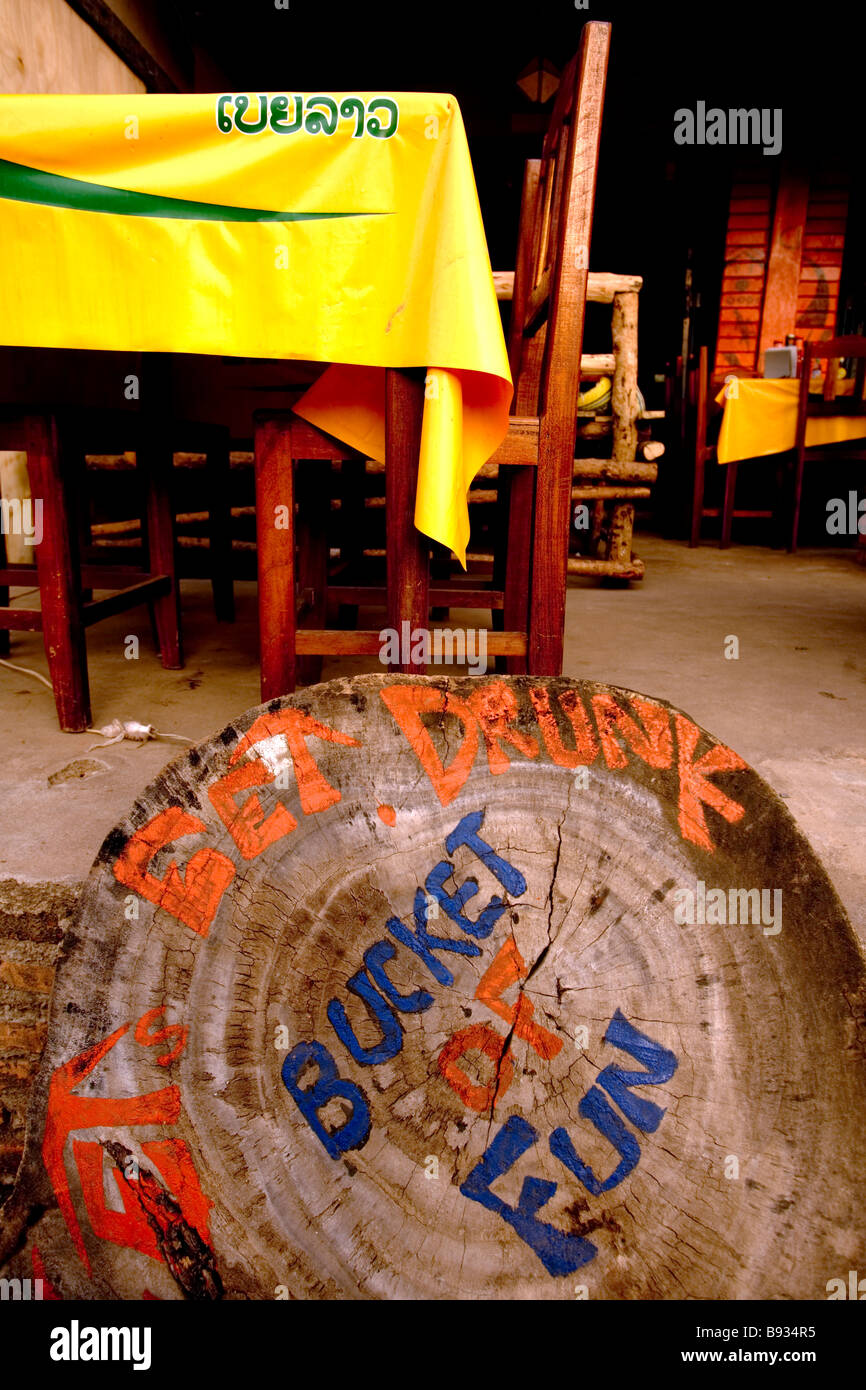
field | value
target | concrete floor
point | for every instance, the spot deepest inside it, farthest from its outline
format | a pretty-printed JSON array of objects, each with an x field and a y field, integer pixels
[{"x": 791, "y": 704}]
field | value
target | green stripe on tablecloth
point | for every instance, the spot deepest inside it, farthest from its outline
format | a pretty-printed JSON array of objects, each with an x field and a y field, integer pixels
[{"x": 22, "y": 184}]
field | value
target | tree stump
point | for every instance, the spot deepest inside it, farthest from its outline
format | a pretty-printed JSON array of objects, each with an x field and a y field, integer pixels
[{"x": 428, "y": 988}]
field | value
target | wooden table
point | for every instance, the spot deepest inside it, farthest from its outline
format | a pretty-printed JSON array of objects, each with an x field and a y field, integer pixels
[
  {"x": 341, "y": 229},
  {"x": 275, "y": 226},
  {"x": 760, "y": 418}
]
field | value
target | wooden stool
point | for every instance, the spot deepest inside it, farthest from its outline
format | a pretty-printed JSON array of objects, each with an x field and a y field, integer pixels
[
  {"x": 66, "y": 611},
  {"x": 194, "y": 446}
]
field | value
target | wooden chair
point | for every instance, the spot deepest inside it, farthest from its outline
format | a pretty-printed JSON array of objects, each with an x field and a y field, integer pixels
[
  {"x": 831, "y": 351},
  {"x": 67, "y": 607},
  {"x": 110, "y": 542},
  {"x": 704, "y": 453},
  {"x": 529, "y": 583}
]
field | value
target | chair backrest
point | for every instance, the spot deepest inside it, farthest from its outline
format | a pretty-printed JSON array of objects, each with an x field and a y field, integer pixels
[
  {"x": 832, "y": 351},
  {"x": 552, "y": 263},
  {"x": 703, "y": 448}
]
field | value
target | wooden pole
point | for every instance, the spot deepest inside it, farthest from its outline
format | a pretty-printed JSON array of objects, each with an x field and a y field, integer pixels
[
  {"x": 275, "y": 538},
  {"x": 624, "y": 409},
  {"x": 601, "y": 286},
  {"x": 408, "y": 551},
  {"x": 624, "y": 393},
  {"x": 779, "y": 311}
]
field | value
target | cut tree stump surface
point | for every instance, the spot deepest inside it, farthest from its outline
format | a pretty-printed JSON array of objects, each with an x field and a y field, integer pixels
[{"x": 418, "y": 988}]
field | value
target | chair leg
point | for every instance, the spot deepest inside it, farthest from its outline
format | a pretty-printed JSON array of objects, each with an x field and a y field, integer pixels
[
  {"x": 515, "y": 613},
  {"x": 312, "y": 479},
  {"x": 218, "y": 473},
  {"x": 549, "y": 566},
  {"x": 59, "y": 578},
  {"x": 159, "y": 516},
  {"x": 408, "y": 552},
  {"x": 499, "y": 546},
  {"x": 276, "y": 557},
  {"x": 728, "y": 506},
  {"x": 781, "y": 511},
  {"x": 796, "y": 499},
  {"x": 351, "y": 530}
]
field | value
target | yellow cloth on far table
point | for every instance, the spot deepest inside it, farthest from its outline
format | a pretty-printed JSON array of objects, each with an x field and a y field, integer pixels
[
  {"x": 340, "y": 228},
  {"x": 762, "y": 419}
]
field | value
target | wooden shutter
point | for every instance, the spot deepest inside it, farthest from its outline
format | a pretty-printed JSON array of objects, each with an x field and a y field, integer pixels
[
  {"x": 772, "y": 225},
  {"x": 823, "y": 249},
  {"x": 746, "y": 250}
]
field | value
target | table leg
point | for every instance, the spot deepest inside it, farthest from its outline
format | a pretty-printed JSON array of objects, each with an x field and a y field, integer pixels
[
  {"x": 58, "y": 568},
  {"x": 549, "y": 566},
  {"x": 518, "y": 556},
  {"x": 408, "y": 552},
  {"x": 781, "y": 511},
  {"x": 275, "y": 535},
  {"x": 795, "y": 496},
  {"x": 313, "y": 484}
]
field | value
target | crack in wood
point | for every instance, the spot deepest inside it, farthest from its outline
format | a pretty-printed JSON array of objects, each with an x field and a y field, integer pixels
[{"x": 189, "y": 1258}]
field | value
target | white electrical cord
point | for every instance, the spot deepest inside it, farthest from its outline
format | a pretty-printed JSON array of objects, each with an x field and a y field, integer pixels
[{"x": 27, "y": 672}]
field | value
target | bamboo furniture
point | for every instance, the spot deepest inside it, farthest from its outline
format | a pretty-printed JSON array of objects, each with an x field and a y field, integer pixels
[
  {"x": 611, "y": 486},
  {"x": 538, "y": 452},
  {"x": 195, "y": 447}
]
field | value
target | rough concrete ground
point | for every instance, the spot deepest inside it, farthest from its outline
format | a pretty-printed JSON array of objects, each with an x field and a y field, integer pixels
[{"x": 792, "y": 703}]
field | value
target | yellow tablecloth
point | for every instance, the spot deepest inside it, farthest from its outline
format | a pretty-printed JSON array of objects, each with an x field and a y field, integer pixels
[
  {"x": 761, "y": 418},
  {"x": 340, "y": 228}
]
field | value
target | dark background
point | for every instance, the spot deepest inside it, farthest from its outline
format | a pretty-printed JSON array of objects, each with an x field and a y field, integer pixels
[{"x": 660, "y": 206}]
